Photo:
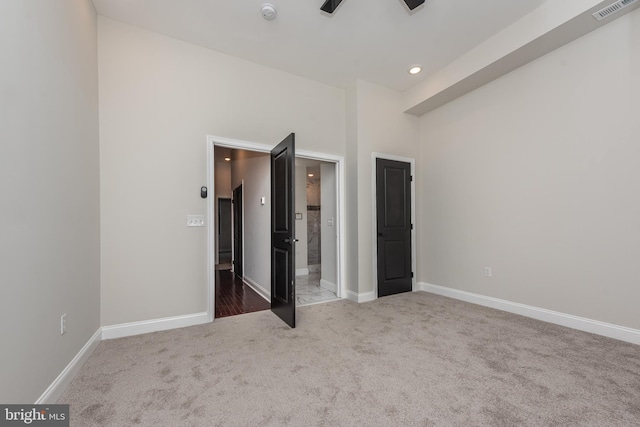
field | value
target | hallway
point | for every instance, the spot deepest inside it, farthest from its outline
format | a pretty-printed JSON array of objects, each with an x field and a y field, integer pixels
[{"x": 234, "y": 297}]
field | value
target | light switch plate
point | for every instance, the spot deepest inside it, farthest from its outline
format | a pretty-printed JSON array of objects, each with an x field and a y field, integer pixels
[{"x": 195, "y": 220}]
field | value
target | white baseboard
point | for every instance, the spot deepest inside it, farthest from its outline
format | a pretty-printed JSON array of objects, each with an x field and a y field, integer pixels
[
  {"x": 580, "y": 323},
  {"x": 363, "y": 297},
  {"x": 154, "y": 325},
  {"x": 367, "y": 296},
  {"x": 302, "y": 271},
  {"x": 266, "y": 294},
  {"x": 330, "y": 286},
  {"x": 59, "y": 385}
]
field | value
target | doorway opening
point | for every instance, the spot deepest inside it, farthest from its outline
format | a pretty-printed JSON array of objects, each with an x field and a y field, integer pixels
[
  {"x": 240, "y": 175},
  {"x": 315, "y": 208},
  {"x": 231, "y": 163}
]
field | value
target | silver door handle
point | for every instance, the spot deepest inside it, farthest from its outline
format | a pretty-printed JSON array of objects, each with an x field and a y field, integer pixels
[{"x": 288, "y": 240}]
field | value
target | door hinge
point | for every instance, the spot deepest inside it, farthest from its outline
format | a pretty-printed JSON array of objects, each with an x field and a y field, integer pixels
[
  {"x": 412, "y": 274},
  {"x": 412, "y": 226},
  {"x": 411, "y": 178}
]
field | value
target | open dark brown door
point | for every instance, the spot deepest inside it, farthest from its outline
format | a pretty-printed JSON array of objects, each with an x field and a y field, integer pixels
[
  {"x": 283, "y": 290},
  {"x": 238, "y": 238},
  {"x": 393, "y": 211},
  {"x": 225, "y": 227}
]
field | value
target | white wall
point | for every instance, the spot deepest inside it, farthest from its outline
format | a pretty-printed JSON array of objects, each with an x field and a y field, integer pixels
[
  {"x": 49, "y": 181},
  {"x": 381, "y": 127},
  {"x": 328, "y": 233},
  {"x": 253, "y": 171},
  {"x": 301, "y": 225},
  {"x": 536, "y": 175},
  {"x": 351, "y": 189},
  {"x": 159, "y": 98}
]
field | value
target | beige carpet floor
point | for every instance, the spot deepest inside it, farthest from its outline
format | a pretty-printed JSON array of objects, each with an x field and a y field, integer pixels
[{"x": 413, "y": 359}]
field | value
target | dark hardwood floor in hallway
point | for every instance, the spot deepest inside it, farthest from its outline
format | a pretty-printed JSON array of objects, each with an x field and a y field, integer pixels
[{"x": 234, "y": 297}]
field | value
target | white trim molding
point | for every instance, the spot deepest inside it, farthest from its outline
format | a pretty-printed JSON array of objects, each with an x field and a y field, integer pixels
[
  {"x": 238, "y": 144},
  {"x": 59, "y": 385},
  {"x": 302, "y": 271},
  {"x": 570, "y": 321},
  {"x": 363, "y": 297},
  {"x": 153, "y": 325},
  {"x": 211, "y": 232},
  {"x": 261, "y": 290}
]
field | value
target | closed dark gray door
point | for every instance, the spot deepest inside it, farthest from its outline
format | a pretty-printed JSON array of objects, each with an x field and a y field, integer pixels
[
  {"x": 393, "y": 210},
  {"x": 283, "y": 290},
  {"x": 237, "y": 232}
]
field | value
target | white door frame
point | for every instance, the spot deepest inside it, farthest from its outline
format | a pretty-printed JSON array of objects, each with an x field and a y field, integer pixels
[
  {"x": 217, "y": 141},
  {"x": 374, "y": 210}
]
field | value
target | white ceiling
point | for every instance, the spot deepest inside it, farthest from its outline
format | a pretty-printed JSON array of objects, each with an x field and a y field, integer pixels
[{"x": 373, "y": 40}]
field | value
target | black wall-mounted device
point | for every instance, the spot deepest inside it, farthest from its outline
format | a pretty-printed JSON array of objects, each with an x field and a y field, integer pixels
[
  {"x": 203, "y": 192},
  {"x": 330, "y": 6}
]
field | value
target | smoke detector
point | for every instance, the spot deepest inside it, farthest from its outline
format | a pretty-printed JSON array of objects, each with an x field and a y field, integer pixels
[{"x": 269, "y": 11}]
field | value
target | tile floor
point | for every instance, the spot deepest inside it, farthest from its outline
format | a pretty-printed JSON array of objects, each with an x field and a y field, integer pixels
[{"x": 308, "y": 290}]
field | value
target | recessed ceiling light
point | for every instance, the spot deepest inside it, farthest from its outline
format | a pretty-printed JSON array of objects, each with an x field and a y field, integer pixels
[
  {"x": 227, "y": 159},
  {"x": 415, "y": 69},
  {"x": 310, "y": 175}
]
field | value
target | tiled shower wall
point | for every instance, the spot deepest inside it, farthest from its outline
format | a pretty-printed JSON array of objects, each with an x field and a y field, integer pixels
[{"x": 313, "y": 216}]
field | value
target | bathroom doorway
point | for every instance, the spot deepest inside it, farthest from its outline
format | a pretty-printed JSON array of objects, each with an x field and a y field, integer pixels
[{"x": 315, "y": 206}]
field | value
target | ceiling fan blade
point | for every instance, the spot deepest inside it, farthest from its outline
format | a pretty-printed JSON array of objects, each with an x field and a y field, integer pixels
[
  {"x": 330, "y": 5},
  {"x": 413, "y": 3}
]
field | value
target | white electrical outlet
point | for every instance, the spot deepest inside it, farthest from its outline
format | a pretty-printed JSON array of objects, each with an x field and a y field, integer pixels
[
  {"x": 63, "y": 324},
  {"x": 487, "y": 272}
]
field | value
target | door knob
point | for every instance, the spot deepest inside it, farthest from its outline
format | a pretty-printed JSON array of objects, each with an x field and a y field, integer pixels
[{"x": 288, "y": 240}]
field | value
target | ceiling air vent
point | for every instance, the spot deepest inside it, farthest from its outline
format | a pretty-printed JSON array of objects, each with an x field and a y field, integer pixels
[{"x": 612, "y": 8}]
